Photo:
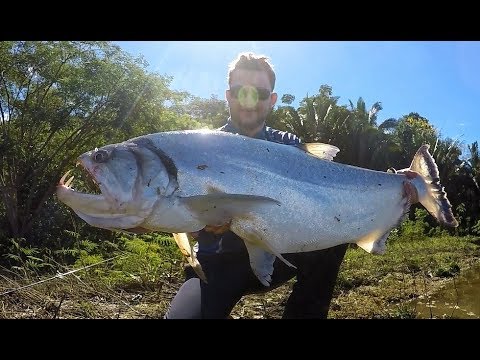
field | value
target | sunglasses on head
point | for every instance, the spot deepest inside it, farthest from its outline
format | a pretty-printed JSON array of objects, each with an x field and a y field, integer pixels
[{"x": 263, "y": 94}]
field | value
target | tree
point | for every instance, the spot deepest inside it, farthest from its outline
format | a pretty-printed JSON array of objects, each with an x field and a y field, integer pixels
[
  {"x": 474, "y": 162},
  {"x": 315, "y": 118},
  {"x": 59, "y": 99},
  {"x": 406, "y": 136},
  {"x": 320, "y": 119},
  {"x": 212, "y": 112}
]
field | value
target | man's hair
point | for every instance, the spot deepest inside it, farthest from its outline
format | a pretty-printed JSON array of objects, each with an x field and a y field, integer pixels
[{"x": 251, "y": 61}]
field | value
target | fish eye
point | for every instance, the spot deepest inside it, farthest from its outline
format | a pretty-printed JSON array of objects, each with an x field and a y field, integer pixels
[{"x": 100, "y": 156}]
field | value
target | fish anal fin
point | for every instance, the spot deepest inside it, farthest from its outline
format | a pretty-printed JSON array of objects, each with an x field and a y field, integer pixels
[
  {"x": 374, "y": 242},
  {"x": 261, "y": 253},
  {"x": 320, "y": 150},
  {"x": 261, "y": 263}
]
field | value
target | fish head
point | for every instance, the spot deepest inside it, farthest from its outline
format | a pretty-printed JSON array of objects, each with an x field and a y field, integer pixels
[{"x": 131, "y": 178}]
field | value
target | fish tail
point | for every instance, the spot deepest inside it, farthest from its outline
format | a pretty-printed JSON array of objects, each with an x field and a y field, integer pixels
[{"x": 431, "y": 193}]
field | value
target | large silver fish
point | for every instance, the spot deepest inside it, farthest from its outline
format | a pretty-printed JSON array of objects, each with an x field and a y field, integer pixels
[{"x": 277, "y": 198}]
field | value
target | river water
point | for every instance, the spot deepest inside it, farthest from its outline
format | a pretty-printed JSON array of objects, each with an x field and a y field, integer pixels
[{"x": 459, "y": 299}]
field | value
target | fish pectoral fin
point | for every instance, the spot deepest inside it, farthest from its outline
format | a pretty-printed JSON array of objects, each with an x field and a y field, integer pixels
[
  {"x": 375, "y": 242},
  {"x": 219, "y": 208},
  {"x": 183, "y": 242},
  {"x": 320, "y": 150}
]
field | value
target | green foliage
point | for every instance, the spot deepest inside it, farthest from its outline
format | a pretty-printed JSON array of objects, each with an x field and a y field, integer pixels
[
  {"x": 25, "y": 260},
  {"x": 287, "y": 99},
  {"x": 474, "y": 164},
  {"x": 427, "y": 257},
  {"x": 415, "y": 229},
  {"x": 87, "y": 310},
  {"x": 86, "y": 259},
  {"x": 476, "y": 228},
  {"x": 438, "y": 231},
  {"x": 403, "y": 311},
  {"x": 448, "y": 270},
  {"x": 144, "y": 260},
  {"x": 412, "y": 131},
  {"x": 211, "y": 113},
  {"x": 149, "y": 260}
]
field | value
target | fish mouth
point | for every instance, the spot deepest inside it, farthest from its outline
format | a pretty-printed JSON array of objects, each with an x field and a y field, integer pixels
[
  {"x": 94, "y": 202},
  {"x": 90, "y": 184},
  {"x": 97, "y": 209},
  {"x": 104, "y": 209}
]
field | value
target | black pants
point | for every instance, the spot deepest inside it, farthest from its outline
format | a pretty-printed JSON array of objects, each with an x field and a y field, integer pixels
[{"x": 230, "y": 277}]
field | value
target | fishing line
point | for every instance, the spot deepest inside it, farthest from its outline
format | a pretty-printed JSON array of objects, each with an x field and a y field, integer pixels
[{"x": 56, "y": 276}]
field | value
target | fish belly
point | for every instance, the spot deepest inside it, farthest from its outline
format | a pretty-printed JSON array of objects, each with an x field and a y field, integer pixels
[{"x": 329, "y": 217}]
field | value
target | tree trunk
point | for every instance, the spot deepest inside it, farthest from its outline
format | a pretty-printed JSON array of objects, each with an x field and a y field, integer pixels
[{"x": 9, "y": 199}]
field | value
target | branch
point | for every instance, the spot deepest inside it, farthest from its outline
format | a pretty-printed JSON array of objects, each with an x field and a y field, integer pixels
[
  {"x": 8, "y": 102},
  {"x": 73, "y": 141},
  {"x": 28, "y": 221},
  {"x": 62, "y": 63},
  {"x": 25, "y": 101}
]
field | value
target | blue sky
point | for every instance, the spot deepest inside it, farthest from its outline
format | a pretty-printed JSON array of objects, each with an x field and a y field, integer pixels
[{"x": 440, "y": 80}]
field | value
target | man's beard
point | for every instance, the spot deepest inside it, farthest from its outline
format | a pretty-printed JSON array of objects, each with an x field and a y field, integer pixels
[{"x": 248, "y": 125}]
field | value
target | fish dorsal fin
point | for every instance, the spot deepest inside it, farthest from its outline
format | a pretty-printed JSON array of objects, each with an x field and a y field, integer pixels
[{"x": 320, "y": 150}]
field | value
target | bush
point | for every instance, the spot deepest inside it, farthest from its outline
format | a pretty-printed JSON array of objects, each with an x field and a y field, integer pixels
[{"x": 415, "y": 229}]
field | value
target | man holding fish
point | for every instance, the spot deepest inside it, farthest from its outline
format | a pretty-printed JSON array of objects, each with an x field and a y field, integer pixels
[
  {"x": 222, "y": 254},
  {"x": 287, "y": 201}
]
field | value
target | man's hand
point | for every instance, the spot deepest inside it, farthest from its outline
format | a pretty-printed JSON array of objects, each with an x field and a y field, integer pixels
[{"x": 217, "y": 230}]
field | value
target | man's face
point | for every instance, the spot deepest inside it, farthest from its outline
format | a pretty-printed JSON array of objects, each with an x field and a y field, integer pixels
[{"x": 250, "y": 99}]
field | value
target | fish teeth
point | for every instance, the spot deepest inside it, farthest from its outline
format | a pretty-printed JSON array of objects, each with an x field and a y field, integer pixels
[
  {"x": 62, "y": 180},
  {"x": 69, "y": 181}
]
